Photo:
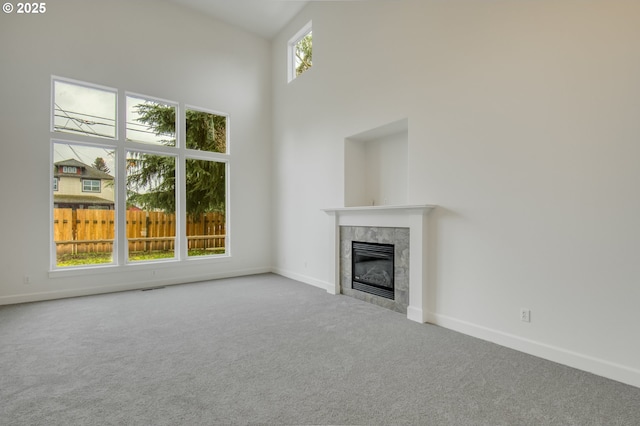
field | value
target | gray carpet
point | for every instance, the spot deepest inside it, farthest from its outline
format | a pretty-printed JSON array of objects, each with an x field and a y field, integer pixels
[{"x": 268, "y": 350}]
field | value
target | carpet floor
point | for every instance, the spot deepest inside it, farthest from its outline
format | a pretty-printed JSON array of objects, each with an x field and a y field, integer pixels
[{"x": 268, "y": 350}]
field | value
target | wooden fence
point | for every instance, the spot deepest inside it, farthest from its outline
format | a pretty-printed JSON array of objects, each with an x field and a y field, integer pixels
[{"x": 93, "y": 231}]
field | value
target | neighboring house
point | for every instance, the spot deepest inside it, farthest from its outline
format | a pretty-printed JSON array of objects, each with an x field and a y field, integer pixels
[{"x": 79, "y": 186}]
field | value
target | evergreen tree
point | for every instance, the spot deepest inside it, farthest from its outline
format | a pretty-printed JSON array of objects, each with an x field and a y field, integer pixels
[
  {"x": 151, "y": 178},
  {"x": 101, "y": 165}
]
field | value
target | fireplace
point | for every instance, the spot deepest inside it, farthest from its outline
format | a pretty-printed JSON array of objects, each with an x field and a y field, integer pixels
[
  {"x": 373, "y": 268},
  {"x": 403, "y": 226}
]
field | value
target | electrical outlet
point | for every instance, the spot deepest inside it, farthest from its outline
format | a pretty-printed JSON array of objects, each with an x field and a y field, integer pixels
[{"x": 525, "y": 315}]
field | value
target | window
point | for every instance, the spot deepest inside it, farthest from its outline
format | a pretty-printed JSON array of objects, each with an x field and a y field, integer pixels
[
  {"x": 151, "y": 206},
  {"x": 90, "y": 185},
  {"x": 87, "y": 110},
  {"x": 300, "y": 49},
  {"x": 172, "y": 168},
  {"x": 206, "y": 131},
  {"x": 151, "y": 121},
  {"x": 206, "y": 195},
  {"x": 83, "y": 222}
]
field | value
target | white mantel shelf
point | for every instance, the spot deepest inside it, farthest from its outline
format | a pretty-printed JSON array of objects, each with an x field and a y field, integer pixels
[
  {"x": 377, "y": 209},
  {"x": 413, "y": 217}
]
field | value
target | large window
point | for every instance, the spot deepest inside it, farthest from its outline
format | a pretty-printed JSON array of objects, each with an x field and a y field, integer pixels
[
  {"x": 160, "y": 174},
  {"x": 83, "y": 220},
  {"x": 151, "y": 201},
  {"x": 206, "y": 192}
]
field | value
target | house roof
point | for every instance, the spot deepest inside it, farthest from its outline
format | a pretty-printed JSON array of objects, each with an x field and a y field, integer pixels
[
  {"x": 80, "y": 199},
  {"x": 87, "y": 171}
]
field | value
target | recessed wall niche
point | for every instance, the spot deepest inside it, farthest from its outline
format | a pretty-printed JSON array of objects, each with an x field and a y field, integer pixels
[{"x": 376, "y": 163}]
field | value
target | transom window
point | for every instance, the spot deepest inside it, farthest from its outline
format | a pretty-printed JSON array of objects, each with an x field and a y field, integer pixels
[
  {"x": 150, "y": 121},
  {"x": 87, "y": 110},
  {"x": 300, "y": 49},
  {"x": 159, "y": 172}
]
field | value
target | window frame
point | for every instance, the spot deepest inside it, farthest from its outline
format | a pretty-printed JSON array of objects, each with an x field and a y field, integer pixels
[
  {"x": 92, "y": 142},
  {"x": 120, "y": 145},
  {"x": 221, "y": 157},
  {"x": 88, "y": 86},
  {"x": 84, "y": 186},
  {"x": 291, "y": 50},
  {"x": 175, "y": 105}
]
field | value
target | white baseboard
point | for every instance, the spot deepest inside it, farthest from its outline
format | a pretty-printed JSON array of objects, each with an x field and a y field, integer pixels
[
  {"x": 305, "y": 279},
  {"x": 566, "y": 357},
  {"x": 137, "y": 285},
  {"x": 415, "y": 314}
]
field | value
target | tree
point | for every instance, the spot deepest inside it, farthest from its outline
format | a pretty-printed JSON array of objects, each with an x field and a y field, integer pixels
[
  {"x": 151, "y": 179},
  {"x": 101, "y": 165},
  {"x": 304, "y": 50}
]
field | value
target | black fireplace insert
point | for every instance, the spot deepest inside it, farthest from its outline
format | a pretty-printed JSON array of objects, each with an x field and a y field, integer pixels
[{"x": 373, "y": 268}]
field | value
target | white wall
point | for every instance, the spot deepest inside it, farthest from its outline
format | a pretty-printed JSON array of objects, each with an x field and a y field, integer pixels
[
  {"x": 375, "y": 170},
  {"x": 146, "y": 47},
  {"x": 523, "y": 129},
  {"x": 387, "y": 162}
]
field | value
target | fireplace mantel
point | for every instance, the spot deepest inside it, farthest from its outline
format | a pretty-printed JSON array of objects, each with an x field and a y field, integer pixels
[
  {"x": 413, "y": 217},
  {"x": 377, "y": 209}
]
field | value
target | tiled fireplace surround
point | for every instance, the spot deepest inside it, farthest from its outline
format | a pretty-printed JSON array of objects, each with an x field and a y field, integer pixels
[
  {"x": 399, "y": 237},
  {"x": 405, "y": 227}
]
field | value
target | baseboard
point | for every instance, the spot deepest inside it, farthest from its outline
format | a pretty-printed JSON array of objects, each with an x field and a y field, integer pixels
[
  {"x": 305, "y": 279},
  {"x": 415, "y": 314},
  {"x": 136, "y": 285},
  {"x": 560, "y": 355},
  {"x": 566, "y": 357}
]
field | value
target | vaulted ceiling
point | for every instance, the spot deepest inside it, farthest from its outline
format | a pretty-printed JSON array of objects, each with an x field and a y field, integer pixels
[{"x": 262, "y": 17}]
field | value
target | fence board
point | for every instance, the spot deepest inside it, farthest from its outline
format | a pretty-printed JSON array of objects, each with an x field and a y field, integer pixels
[
  {"x": 211, "y": 226},
  {"x": 63, "y": 229}
]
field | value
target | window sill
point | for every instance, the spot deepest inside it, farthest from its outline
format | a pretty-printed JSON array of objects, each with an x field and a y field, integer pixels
[{"x": 157, "y": 266}]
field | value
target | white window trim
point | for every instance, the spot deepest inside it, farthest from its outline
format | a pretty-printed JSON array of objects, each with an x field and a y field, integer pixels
[
  {"x": 76, "y": 140},
  {"x": 291, "y": 48},
  {"x": 55, "y": 78},
  {"x": 222, "y": 157}
]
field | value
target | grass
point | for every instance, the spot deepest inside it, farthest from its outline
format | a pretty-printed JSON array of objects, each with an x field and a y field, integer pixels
[{"x": 81, "y": 259}]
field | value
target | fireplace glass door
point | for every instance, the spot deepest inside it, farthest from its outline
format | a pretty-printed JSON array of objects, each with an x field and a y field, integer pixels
[{"x": 373, "y": 268}]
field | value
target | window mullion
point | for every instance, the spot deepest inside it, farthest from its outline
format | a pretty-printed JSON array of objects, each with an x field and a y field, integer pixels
[
  {"x": 120, "y": 243},
  {"x": 181, "y": 197}
]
